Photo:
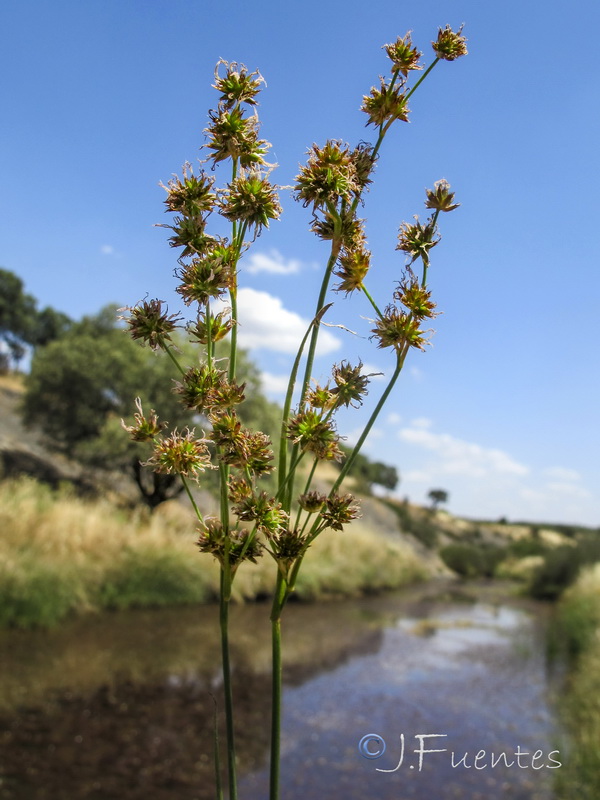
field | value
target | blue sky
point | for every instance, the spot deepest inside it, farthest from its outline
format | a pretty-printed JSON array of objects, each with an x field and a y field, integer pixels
[{"x": 102, "y": 100}]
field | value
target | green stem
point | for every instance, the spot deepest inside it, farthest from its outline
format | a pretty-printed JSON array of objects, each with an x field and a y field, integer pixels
[
  {"x": 217, "y": 758},
  {"x": 335, "y": 249},
  {"x": 370, "y": 299},
  {"x": 422, "y": 78},
  {"x": 276, "y": 686},
  {"x": 192, "y": 501},
  {"x": 306, "y": 489},
  {"x": 225, "y": 594},
  {"x": 169, "y": 352},
  {"x": 282, "y": 464},
  {"x": 209, "y": 343}
]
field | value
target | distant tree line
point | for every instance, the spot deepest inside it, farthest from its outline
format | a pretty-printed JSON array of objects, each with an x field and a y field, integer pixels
[
  {"x": 22, "y": 324},
  {"x": 368, "y": 473}
]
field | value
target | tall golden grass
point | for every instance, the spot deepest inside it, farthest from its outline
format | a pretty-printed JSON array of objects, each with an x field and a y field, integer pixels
[{"x": 60, "y": 554}]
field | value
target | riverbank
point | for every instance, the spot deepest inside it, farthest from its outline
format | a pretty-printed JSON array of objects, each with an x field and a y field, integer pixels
[
  {"x": 62, "y": 555},
  {"x": 578, "y": 631}
]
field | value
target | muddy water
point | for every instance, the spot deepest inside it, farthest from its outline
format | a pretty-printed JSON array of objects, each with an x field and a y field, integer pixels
[{"x": 123, "y": 706}]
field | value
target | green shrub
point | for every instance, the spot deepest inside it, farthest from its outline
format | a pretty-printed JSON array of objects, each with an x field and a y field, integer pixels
[
  {"x": 522, "y": 548},
  {"x": 417, "y": 525},
  {"x": 33, "y": 594},
  {"x": 152, "y": 578},
  {"x": 559, "y": 570},
  {"x": 472, "y": 561}
]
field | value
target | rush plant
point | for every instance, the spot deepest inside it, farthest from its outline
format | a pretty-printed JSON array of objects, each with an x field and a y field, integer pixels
[{"x": 256, "y": 521}]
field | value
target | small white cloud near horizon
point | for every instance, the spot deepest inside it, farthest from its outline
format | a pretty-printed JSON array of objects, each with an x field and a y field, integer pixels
[
  {"x": 265, "y": 324},
  {"x": 272, "y": 262},
  {"x": 459, "y": 457}
]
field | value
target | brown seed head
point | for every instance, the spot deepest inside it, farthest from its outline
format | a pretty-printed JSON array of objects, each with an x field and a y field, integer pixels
[
  {"x": 450, "y": 45},
  {"x": 236, "y": 85},
  {"x": 150, "y": 323},
  {"x": 190, "y": 195},
  {"x": 397, "y": 328},
  {"x": 339, "y": 511},
  {"x": 403, "y": 55},
  {"x": 385, "y": 104},
  {"x": 181, "y": 454},
  {"x": 417, "y": 239},
  {"x": 440, "y": 197},
  {"x": 145, "y": 428},
  {"x": 350, "y": 385},
  {"x": 251, "y": 199}
]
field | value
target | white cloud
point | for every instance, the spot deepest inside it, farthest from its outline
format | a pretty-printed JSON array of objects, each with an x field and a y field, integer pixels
[
  {"x": 562, "y": 474},
  {"x": 568, "y": 489},
  {"x": 351, "y": 437},
  {"x": 265, "y": 324},
  {"x": 274, "y": 384},
  {"x": 458, "y": 457},
  {"x": 393, "y": 418},
  {"x": 423, "y": 423},
  {"x": 272, "y": 262},
  {"x": 107, "y": 250}
]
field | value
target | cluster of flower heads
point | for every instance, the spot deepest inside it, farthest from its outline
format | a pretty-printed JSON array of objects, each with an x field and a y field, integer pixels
[
  {"x": 399, "y": 326},
  {"x": 331, "y": 184},
  {"x": 335, "y": 175}
]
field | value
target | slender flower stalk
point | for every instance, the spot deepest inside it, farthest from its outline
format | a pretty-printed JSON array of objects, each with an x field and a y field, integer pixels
[{"x": 332, "y": 185}]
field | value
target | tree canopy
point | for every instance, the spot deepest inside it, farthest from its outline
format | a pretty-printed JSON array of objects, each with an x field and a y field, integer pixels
[
  {"x": 21, "y": 323},
  {"x": 81, "y": 385}
]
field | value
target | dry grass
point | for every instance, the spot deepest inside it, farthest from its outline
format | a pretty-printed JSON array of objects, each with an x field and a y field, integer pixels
[{"x": 61, "y": 554}]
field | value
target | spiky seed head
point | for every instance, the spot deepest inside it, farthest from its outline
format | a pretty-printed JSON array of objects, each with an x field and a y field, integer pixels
[
  {"x": 450, "y": 45},
  {"x": 417, "y": 239},
  {"x": 250, "y": 198},
  {"x": 182, "y": 454},
  {"x": 415, "y": 297},
  {"x": 220, "y": 325},
  {"x": 397, "y": 329},
  {"x": 353, "y": 266},
  {"x": 145, "y": 428},
  {"x": 312, "y": 501},
  {"x": 151, "y": 323},
  {"x": 339, "y": 511},
  {"x": 350, "y": 384},
  {"x": 330, "y": 174},
  {"x": 403, "y": 55},
  {"x": 190, "y": 195},
  {"x": 236, "y": 85},
  {"x": 233, "y": 135},
  {"x": 440, "y": 198},
  {"x": 207, "y": 276},
  {"x": 385, "y": 104}
]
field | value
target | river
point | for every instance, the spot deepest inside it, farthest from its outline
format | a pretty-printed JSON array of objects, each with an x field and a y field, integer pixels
[{"x": 437, "y": 691}]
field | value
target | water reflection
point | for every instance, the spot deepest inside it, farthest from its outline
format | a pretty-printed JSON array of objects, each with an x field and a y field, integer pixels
[{"x": 122, "y": 706}]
